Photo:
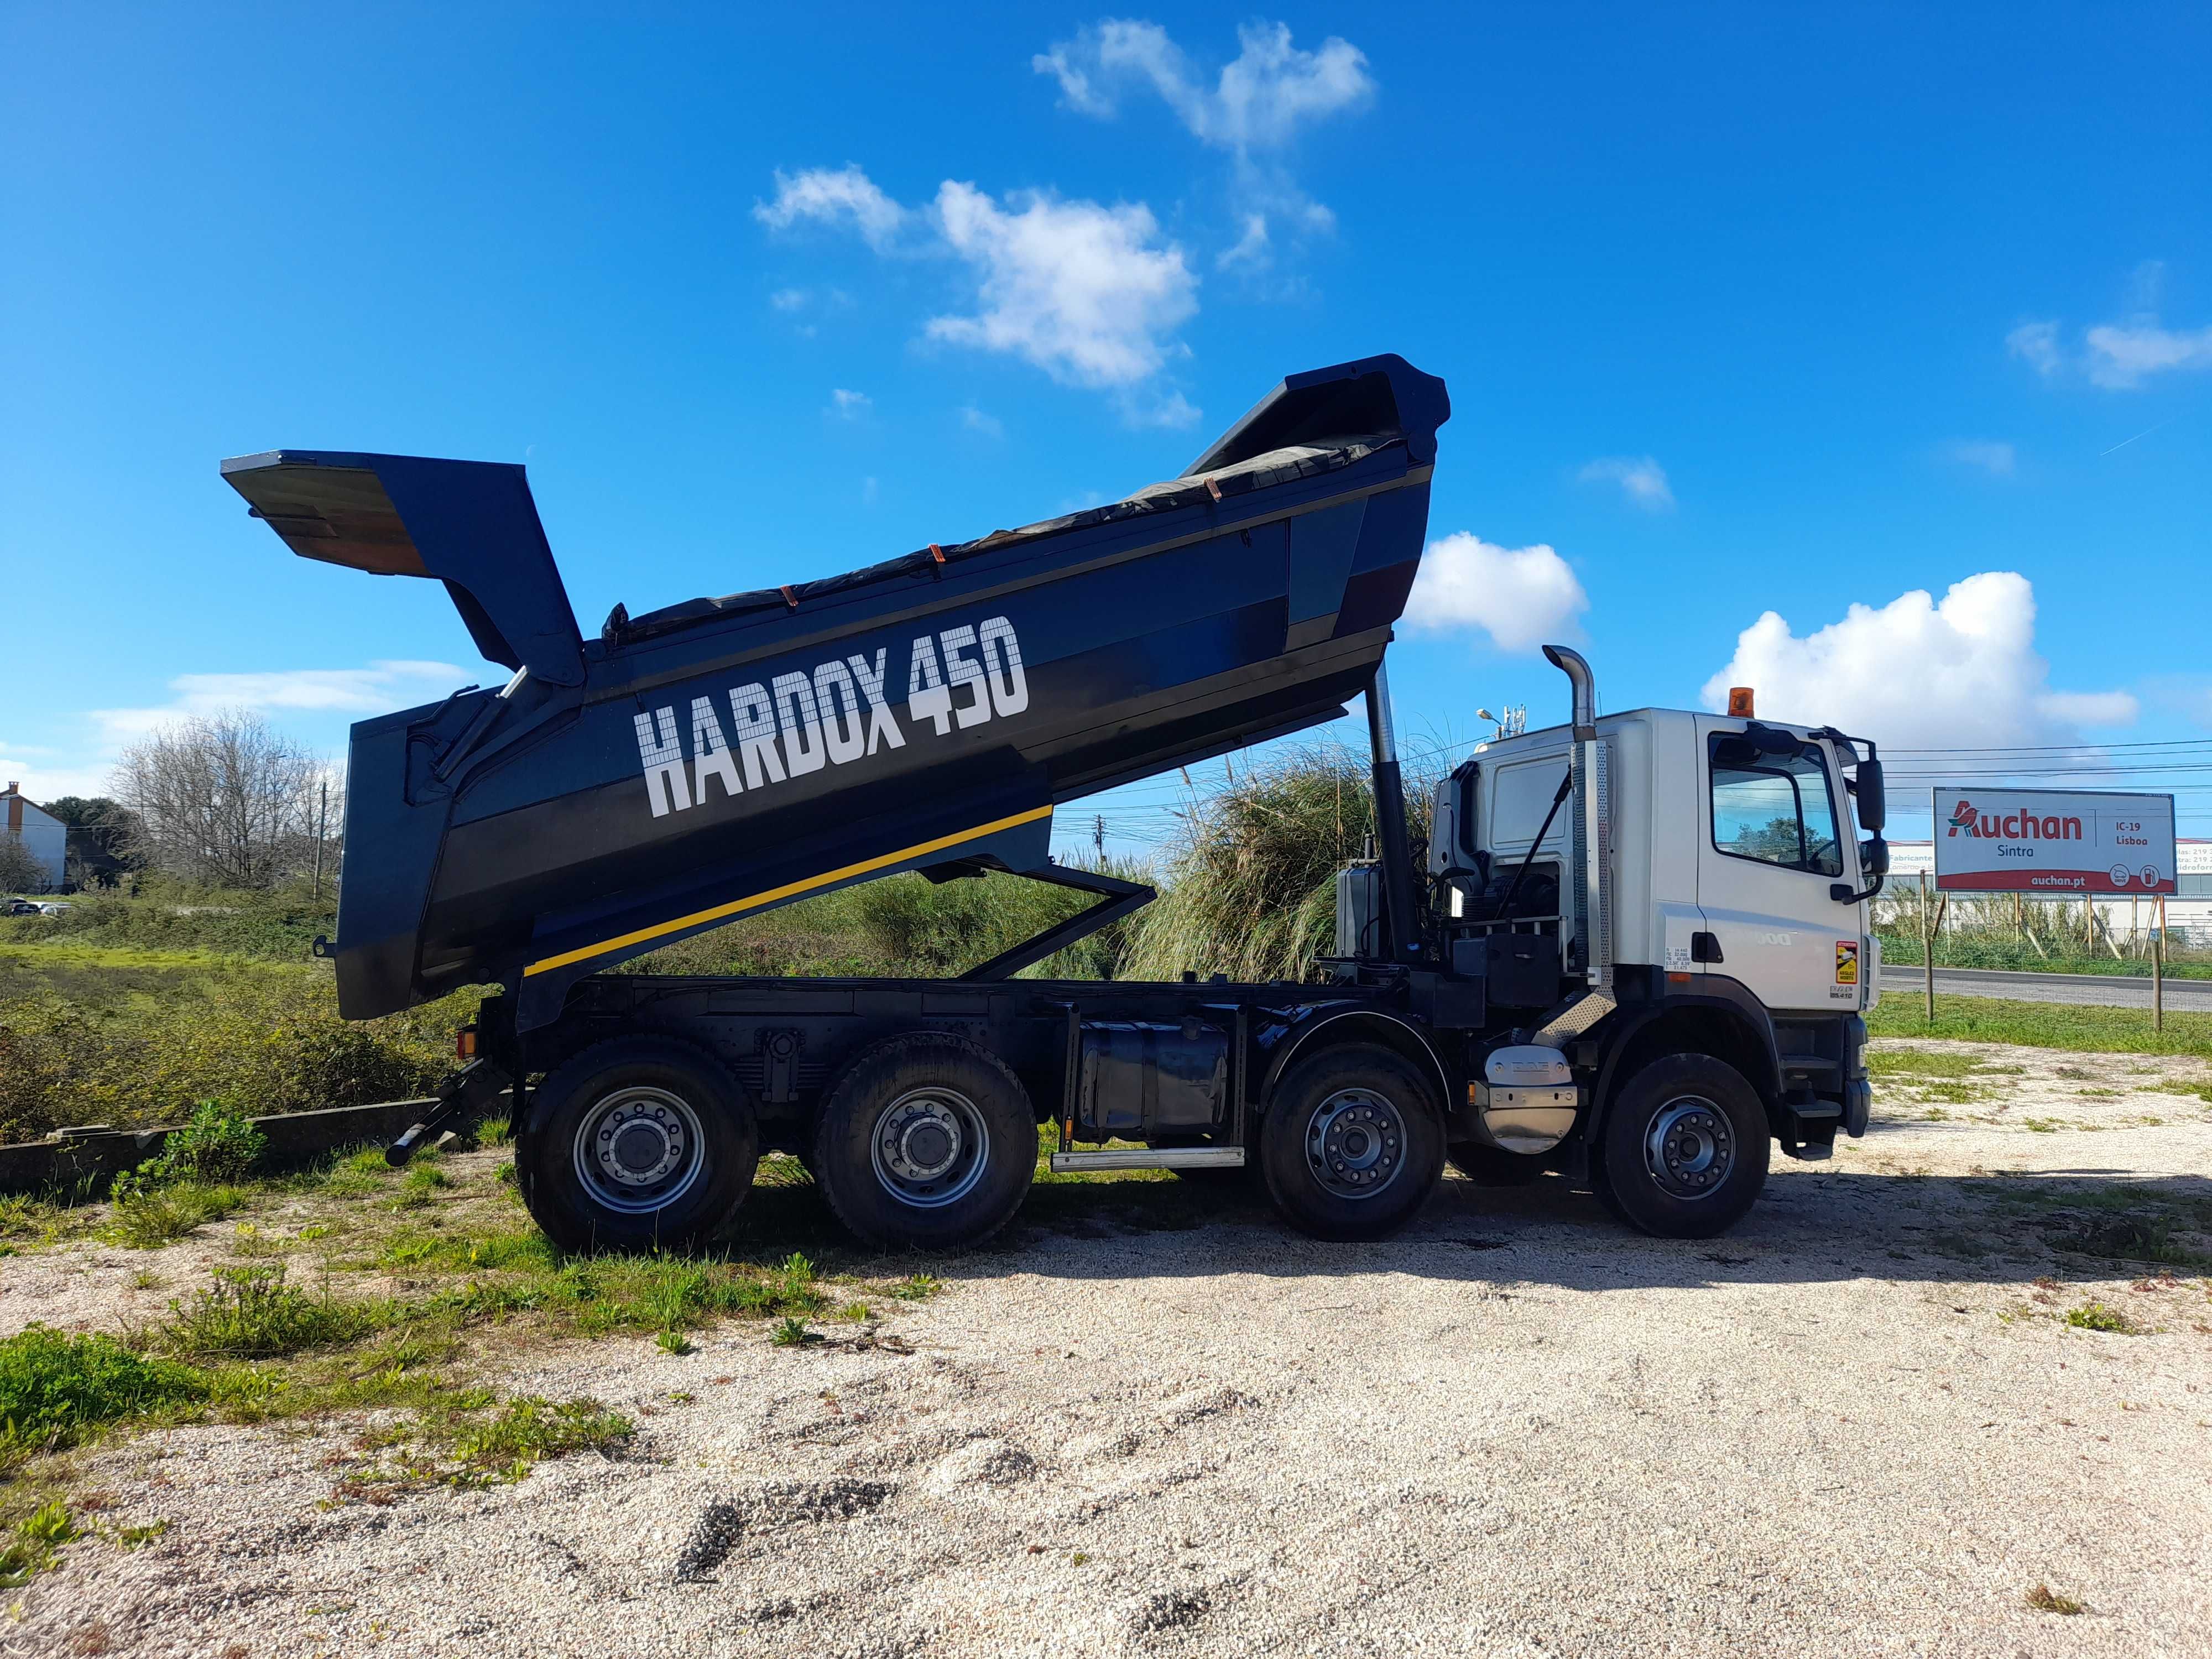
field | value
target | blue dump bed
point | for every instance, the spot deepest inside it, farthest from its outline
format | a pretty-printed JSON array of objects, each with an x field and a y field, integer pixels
[{"x": 722, "y": 757}]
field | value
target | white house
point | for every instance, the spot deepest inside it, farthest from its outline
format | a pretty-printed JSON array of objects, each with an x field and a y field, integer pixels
[{"x": 45, "y": 836}]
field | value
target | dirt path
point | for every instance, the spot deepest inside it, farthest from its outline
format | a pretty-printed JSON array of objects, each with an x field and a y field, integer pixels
[{"x": 1858, "y": 1425}]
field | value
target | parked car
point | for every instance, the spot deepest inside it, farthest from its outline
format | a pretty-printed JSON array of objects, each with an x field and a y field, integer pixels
[{"x": 19, "y": 906}]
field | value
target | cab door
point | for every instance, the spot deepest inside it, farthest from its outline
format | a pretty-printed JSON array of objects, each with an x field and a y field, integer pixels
[{"x": 1770, "y": 849}]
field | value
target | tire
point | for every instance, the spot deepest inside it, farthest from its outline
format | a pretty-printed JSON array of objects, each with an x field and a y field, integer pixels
[
  {"x": 928, "y": 1142},
  {"x": 1493, "y": 1166},
  {"x": 1352, "y": 1144},
  {"x": 637, "y": 1143},
  {"x": 1684, "y": 1151}
]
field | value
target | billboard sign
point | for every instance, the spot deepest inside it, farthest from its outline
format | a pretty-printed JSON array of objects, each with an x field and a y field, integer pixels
[{"x": 2054, "y": 842}]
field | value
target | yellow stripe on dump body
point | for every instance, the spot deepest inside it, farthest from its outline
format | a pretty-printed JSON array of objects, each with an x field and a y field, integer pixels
[{"x": 737, "y": 907}]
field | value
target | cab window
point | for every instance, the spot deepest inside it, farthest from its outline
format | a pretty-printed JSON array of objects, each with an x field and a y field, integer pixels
[{"x": 1775, "y": 809}]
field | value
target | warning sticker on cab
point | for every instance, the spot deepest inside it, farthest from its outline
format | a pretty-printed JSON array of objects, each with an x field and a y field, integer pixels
[{"x": 1847, "y": 961}]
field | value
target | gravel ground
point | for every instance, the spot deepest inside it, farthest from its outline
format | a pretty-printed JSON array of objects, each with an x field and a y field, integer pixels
[{"x": 1858, "y": 1425}]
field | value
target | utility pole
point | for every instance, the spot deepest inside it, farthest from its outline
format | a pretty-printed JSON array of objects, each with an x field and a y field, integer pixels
[{"x": 1098, "y": 835}]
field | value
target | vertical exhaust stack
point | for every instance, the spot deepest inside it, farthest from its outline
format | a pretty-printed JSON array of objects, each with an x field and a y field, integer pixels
[
  {"x": 1400, "y": 909},
  {"x": 1592, "y": 854}
]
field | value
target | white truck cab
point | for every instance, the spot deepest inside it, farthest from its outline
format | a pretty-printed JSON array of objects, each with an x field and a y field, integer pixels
[{"x": 1701, "y": 882}]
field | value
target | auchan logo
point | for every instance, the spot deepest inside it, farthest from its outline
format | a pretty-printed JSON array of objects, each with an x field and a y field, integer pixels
[{"x": 1968, "y": 819}]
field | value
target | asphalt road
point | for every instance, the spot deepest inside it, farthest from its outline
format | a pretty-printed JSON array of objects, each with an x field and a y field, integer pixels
[{"x": 2103, "y": 990}]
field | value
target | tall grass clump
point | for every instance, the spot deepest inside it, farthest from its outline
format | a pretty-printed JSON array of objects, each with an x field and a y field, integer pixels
[{"x": 1251, "y": 891}]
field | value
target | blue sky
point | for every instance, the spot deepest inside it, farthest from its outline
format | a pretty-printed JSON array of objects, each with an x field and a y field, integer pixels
[{"x": 1780, "y": 310}]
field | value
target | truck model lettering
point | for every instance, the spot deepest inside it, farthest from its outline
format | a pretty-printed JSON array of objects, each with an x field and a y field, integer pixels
[{"x": 799, "y": 723}]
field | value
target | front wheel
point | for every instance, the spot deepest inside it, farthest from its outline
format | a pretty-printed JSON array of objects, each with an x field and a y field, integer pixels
[
  {"x": 1684, "y": 1150},
  {"x": 638, "y": 1143},
  {"x": 1354, "y": 1143}
]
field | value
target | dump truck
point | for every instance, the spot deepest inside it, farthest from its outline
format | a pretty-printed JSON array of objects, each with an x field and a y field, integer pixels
[{"x": 1636, "y": 952}]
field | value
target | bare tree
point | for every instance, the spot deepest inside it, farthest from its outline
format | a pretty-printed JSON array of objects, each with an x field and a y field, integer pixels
[
  {"x": 224, "y": 799},
  {"x": 19, "y": 871}
]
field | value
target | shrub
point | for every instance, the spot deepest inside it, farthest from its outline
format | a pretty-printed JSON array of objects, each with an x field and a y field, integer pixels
[
  {"x": 219, "y": 1144},
  {"x": 1252, "y": 892},
  {"x": 55, "y": 1387},
  {"x": 147, "y": 1217},
  {"x": 250, "y": 1313}
]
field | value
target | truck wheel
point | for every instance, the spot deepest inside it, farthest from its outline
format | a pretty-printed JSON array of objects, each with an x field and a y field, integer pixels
[
  {"x": 1352, "y": 1144},
  {"x": 1493, "y": 1166},
  {"x": 927, "y": 1141},
  {"x": 1683, "y": 1153},
  {"x": 637, "y": 1143}
]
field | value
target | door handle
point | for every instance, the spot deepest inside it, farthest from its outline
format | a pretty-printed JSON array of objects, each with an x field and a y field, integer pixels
[{"x": 1705, "y": 947}]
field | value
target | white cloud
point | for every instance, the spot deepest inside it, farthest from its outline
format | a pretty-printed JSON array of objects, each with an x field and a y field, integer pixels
[
  {"x": 1254, "y": 109},
  {"x": 2037, "y": 345},
  {"x": 1086, "y": 293},
  {"x": 849, "y": 405},
  {"x": 1259, "y": 101},
  {"x": 1643, "y": 481},
  {"x": 1091, "y": 294},
  {"x": 2120, "y": 356},
  {"x": 1251, "y": 249},
  {"x": 1522, "y": 597},
  {"x": 1917, "y": 674},
  {"x": 834, "y": 197},
  {"x": 1991, "y": 456},
  {"x": 788, "y": 299},
  {"x": 977, "y": 421},
  {"x": 377, "y": 688}
]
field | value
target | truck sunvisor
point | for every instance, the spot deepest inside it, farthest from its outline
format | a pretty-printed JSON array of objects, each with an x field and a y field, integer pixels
[{"x": 472, "y": 525}]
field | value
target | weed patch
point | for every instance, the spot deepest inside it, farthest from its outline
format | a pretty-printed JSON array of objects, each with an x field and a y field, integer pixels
[
  {"x": 250, "y": 1313},
  {"x": 54, "y": 1388},
  {"x": 31, "y": 1544},
  {"x": 148, "y": 1220},
  {"x": 2102, "y": 1317},
  {"x": 2044, "y": 1599}
]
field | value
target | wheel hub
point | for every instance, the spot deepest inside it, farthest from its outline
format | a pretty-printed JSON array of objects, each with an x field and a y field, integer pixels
[
  {"x": 1355, "y": 1144},
  {"x": 638, "y": 1149},
  {"x": 1690, "y": 1147},
  {"x": 930, "y": 1147}
]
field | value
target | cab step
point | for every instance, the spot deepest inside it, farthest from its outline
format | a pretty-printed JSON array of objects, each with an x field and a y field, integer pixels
[{"x": 1146, "y": 1158}]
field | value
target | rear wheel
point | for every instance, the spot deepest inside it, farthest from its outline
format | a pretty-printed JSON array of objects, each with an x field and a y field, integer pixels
[
  {"x": 926, "y": 1141},
  {"x": 639, "y": 1143},
  {"x": 1684, "y": 1149},
  {"x": 1354, "y": 1143}
]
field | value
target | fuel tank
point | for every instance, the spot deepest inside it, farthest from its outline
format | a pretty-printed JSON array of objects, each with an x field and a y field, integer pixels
[{"x": 720, "y": 757}]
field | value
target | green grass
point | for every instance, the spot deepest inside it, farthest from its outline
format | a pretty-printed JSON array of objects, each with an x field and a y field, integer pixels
[
  {"x": 250, "y": 1313},
  {"x": 2044, "y": 1599},
  {"x": 55, "y": 1388},
  {"x": 32, "y": 1541},
  {"x": 2101, "y": 1317},
  {"x": 1949, "y": 1063},
  {"x": 2044, "y": 1025},
  {"x": 134, "y": 1038},
  {"x": 148, "y": 1220}
]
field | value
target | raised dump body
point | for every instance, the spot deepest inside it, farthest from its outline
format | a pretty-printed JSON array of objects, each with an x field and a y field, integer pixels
[{"x": 722, "y": 757}]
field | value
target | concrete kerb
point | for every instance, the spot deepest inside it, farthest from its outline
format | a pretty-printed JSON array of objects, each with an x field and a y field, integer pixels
[{"x": 90, "y": 1158}]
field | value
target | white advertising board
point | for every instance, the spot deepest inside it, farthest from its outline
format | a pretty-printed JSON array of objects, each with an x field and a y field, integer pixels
[{"x": 2053, "y": 841}]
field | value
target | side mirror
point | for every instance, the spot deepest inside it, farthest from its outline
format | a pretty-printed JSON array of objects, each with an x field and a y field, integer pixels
[
  {"x": 1873, "y": 800},
  {"x": 1874, "y": 860}
]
